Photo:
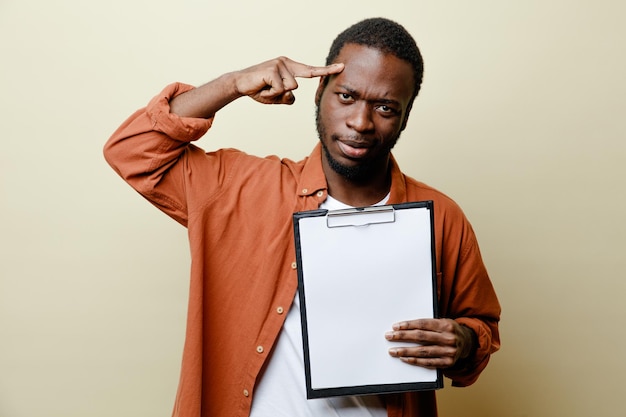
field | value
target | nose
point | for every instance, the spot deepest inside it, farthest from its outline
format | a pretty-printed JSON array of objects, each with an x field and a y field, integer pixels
[{"x": 360, "y": 117}]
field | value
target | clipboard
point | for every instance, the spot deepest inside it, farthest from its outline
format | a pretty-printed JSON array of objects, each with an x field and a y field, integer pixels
[{"x": 359, "y": 271}]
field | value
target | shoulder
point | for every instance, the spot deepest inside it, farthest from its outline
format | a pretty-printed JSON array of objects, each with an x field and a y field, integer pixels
[
  {"x": 417, "y": 190},
  {"x": 450, "y": 220}
]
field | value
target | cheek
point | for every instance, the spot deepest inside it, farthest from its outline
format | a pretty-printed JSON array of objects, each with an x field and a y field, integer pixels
[
  {"x": 389, "y": 127},
  {"x": 329, "y": 115}
]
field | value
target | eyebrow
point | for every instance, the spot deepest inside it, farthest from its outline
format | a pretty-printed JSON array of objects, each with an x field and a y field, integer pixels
[{"x": 355, "y": 93}]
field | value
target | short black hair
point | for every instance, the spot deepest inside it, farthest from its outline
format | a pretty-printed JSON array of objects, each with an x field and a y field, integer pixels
[{"x": 385, "y": 35}]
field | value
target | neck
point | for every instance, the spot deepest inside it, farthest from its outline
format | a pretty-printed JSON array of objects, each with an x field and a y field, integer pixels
[{"x": 358, "y": 192}]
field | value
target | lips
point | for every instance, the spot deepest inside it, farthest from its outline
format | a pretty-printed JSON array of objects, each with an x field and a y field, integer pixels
[{"x": 353, "y": 149}]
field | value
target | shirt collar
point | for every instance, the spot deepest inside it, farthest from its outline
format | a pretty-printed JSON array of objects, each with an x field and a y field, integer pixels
[
  {"x": 398, "y": 183},
  {"x": 313, "y": 178}
]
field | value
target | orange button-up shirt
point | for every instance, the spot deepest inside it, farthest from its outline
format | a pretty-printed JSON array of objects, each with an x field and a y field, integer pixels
[{"x": 238, "y": 211}]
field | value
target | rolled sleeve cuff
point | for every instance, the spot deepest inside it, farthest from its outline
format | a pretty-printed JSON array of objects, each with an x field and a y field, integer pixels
[
  {"x": 183, "y": 129},
  {"x": 467, "y": 371}
]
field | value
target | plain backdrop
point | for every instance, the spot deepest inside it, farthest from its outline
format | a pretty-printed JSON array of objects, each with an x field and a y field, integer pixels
[{"x": 520, "y": 120}]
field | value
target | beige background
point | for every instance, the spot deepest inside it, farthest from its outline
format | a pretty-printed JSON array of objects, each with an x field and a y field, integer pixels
[{"x": 520, "y": 120}]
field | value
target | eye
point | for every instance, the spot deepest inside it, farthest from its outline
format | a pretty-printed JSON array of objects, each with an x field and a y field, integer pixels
[
  {"x": 386, "y": 110},
  {"x": 345, "y": 97}
]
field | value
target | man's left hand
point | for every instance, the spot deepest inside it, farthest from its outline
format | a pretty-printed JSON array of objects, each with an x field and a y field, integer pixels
[{"x": 440, "y": 342}]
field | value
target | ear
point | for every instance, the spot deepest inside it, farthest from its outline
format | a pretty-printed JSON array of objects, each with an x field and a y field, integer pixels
[{"x": 320, "y": 89}]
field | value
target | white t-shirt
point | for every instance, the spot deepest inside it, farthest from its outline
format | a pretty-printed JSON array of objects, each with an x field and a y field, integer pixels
[{"x": 281, "y": 391}]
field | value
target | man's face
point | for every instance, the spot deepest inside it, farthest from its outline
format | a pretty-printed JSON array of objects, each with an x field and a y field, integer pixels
[{"x": 362, "y": 110}]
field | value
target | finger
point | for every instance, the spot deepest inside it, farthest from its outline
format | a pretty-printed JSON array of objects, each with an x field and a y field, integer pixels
[
  {"x": 288, "y": 81},
  {"x": 271, "y": 97},
  {"x": 300, "y": 70},
  {"x": 429, "y": 363},
  {"x": 433, "y": 325},
  {"x": 312, "y": 71},
  {"x": 278, "y": 88},
  {"x": 424, "y": 331},
  {"x": 417, "y": 336},
  {"x": 424, "y": 324},
  {"x": 288, "y": 98},
  {"x": 424, "y": 363},
  {"x": 428, "y": 356},
  {"x": 422, "y": 351}
]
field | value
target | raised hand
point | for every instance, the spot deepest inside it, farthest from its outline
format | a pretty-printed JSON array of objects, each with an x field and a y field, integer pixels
[{"x": 273, "y": 81}]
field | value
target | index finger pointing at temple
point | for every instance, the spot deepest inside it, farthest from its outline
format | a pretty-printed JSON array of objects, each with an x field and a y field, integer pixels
[{"x": 310, "y": 71}]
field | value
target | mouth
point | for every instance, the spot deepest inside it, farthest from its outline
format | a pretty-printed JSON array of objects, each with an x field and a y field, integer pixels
[{"x": 353, "y": 149}]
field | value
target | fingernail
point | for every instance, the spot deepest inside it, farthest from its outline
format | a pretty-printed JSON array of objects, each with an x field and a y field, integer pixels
[
  {"x": 393, "y": 352},
  {"x": 389, "y": 335}
]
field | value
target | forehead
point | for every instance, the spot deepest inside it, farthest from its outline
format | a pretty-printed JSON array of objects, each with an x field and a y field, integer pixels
[{"x": 374, "y": 74}]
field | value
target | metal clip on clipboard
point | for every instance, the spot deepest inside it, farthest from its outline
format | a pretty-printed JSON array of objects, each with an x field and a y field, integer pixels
[{"x": 360, "y": 216}]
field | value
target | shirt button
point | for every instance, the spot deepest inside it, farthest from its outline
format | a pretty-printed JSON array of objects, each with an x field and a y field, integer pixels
[
  {"x": 280, "y": 310},
  {"x": 259, "y": 349},
  {"x": 320, "y": 193},
  {"x": 246, "y": 393},
  {"x": 305, "y": 190},
  {"x": 294, "y": 265}
]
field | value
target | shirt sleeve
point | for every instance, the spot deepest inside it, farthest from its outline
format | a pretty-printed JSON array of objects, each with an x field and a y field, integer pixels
[
  {"x": 473, "y": 304},
  {"x": 150, "y": 148}
]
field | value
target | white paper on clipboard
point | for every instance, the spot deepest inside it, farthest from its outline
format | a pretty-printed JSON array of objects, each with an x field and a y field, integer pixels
[{"x": 359, "y": 271}]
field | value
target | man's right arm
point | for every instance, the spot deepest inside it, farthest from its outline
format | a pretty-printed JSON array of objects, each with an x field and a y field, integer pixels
[
  {"x": 151, "y": 150},
  {"x": 146, "y": 151},
  {"x": 271, "y": 82}
]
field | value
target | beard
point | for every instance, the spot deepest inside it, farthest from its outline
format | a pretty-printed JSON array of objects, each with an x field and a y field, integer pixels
[{"x": 355, "y": 173}]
